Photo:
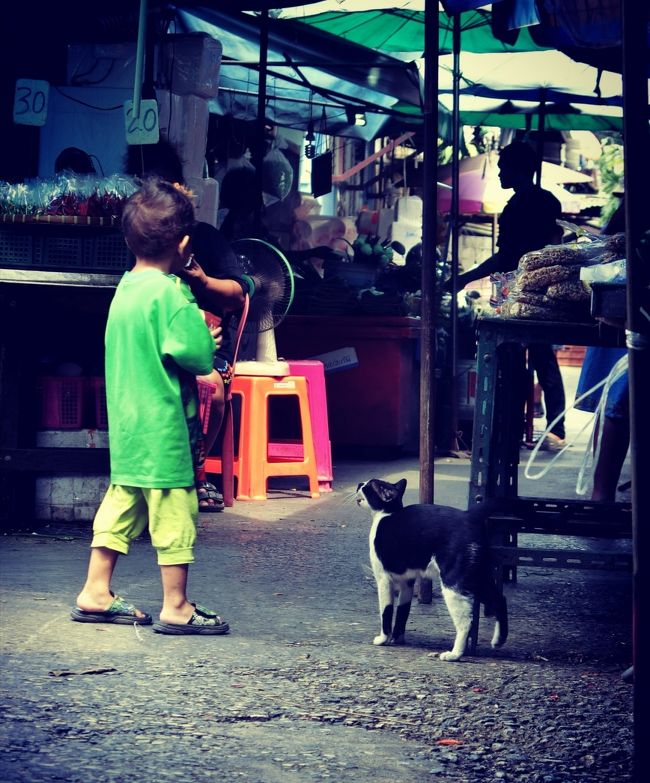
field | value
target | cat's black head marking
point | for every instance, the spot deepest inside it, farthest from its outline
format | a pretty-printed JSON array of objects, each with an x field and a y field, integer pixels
[{"x": 380, "y": 495}]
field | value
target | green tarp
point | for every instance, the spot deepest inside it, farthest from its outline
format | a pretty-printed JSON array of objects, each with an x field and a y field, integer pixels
[{"x": 396, "y": 30}]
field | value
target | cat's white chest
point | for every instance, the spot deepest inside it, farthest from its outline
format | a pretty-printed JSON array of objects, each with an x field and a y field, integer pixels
[
  {"x": 431, "y": 571},
  {"x": 376, "y": 519}
]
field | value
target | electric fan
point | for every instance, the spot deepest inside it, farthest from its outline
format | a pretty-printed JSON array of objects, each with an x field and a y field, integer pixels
[{"x": 274, "y": 289}]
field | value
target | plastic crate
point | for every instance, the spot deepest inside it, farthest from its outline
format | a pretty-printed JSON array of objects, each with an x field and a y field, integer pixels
[
  {"x": 97, "y": 386},
  {"x": 110, "y": 252},
  {"x": 62, "y": 246},
  {"x": 16, "y": 247},
  {"x": 61, "y": 402},
  {"x": 206, "y": 390},
  {"x": 62, "y": 251}
]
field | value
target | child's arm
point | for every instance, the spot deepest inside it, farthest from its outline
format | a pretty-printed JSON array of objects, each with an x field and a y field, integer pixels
[{"x": 213, "y": 293}]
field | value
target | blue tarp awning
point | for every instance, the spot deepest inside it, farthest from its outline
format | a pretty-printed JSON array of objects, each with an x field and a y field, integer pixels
[{"x": 310, "y": 74}]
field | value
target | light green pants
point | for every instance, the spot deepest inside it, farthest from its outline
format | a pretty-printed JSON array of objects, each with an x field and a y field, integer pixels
[{"x": 170, "y": 513}]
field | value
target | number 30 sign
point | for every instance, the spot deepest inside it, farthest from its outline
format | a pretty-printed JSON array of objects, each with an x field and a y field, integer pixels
[
  {"x": 144, "y": 128},
  {"x": 30, "y": 101}
]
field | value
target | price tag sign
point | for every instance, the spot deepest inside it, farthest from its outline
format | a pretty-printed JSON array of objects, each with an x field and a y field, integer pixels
[
  {"x": 30, "y": 101},
  {"x": 144, "y": 128}
]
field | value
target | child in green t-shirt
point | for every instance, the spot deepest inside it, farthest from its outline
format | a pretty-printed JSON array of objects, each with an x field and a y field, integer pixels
[{"x": 156, "y": 343}]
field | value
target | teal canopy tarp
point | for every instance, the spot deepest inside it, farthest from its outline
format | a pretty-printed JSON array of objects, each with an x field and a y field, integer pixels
[
  {"x": 525, "y": 115},
  {"x": 399, "y": 30}
]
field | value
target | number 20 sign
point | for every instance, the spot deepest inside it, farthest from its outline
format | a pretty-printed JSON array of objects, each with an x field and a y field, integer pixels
[
  {"x": 30, "y": 101},
  {"x": 142, "y": 129}
]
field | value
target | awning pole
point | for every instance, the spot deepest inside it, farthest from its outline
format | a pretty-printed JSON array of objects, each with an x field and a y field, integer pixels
[
  {"x": 541, "y": 130},
  {"x": 637, "y": 174},
  {"x": 455, "y": 223},
  {"x": 258, "y": 153},
  {"x": 139, "y": 59},
  {"x": 429, "y": 230}
]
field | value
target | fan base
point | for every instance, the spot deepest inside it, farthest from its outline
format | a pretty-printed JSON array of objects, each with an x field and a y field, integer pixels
[{"x": 268, "y": 369}]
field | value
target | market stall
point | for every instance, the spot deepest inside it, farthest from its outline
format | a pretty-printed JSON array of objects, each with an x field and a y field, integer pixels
[{"x": 61, "y": 251}]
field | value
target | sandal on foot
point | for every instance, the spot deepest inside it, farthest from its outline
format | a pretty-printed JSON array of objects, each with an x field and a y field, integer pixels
[
  {"x": 202, "y": 621},
  {"x": 210, "y": 499},
  {"x": 120, "y": 612}
]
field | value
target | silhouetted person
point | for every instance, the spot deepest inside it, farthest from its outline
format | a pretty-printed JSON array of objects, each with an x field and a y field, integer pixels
[{"x": 528, "y": 222}]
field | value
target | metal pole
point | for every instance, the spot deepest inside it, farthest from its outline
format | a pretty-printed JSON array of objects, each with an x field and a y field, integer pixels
[
  {"x": 541, "y": 123},
  {"x": 455, "y": 224},
  {"x": 637, "y": 172},
  {"x": 429, "y": 226},
  {"x": 139, "y": 59},
  {"x": 258, "y": 152}
]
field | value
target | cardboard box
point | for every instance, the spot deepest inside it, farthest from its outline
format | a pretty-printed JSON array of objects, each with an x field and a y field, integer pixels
[
  {"x": 183, "y": 120},
  {"x": 190, "y": 64}
]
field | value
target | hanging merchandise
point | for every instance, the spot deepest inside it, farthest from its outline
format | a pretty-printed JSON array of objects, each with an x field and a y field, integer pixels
[
  {"x": 277, "y": 176},
  {"x": 321, "y": 167}
]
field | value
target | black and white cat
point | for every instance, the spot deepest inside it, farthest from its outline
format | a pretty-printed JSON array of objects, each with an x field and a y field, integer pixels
[{"x": 422, "y": 540}]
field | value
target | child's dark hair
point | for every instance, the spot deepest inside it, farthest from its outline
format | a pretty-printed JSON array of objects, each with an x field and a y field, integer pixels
[{"x": 156, "y": 218}]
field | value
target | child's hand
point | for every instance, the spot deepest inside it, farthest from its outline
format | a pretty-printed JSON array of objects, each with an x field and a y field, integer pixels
[
  {"x": 217, "y": 336},
  {"x": 192, "y": 272}
]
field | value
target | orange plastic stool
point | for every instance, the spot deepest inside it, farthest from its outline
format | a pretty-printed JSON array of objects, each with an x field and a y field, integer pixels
[{"x": 255, "y": 463}]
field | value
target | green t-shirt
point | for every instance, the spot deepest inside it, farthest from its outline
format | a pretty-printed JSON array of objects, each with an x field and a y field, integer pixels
[{"x": 154, "y": 338}]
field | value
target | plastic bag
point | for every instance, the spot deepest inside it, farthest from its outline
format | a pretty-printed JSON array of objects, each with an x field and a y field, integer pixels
[
  {"x": 277, "y": 177},
  {"x": 614, "y": 272},
  {"x": 501, "y": 283}
]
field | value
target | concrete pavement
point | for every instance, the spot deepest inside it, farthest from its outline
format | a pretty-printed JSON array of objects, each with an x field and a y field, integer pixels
[{"x": 297, "y": 692}]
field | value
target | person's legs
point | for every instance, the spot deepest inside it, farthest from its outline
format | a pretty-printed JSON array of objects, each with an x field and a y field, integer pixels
[
  {"x": 176, "y": 608},
  {"x": 96, "y": 592},
  {"x": 120, "y": 518},
  {"x": 172, "y": 523},
  {"x": 216, "y": 410},
  {"x": 544, "y": 361},
  {"x": 614, "y": 443},
  {"x": 210, "y": 499}
]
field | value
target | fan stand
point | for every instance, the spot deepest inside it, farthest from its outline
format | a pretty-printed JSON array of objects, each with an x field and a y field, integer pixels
[{"x": 266, "y": 362}]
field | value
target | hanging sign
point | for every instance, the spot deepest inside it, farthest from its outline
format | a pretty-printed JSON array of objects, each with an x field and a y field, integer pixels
[
  {"x": 30, "y": 101},
  {"x": 144, "y": 128}
]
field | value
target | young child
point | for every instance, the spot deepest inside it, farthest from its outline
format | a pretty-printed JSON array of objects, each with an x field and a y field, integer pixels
[
  {"x": 156, "y": 343},
  {"x": 216, "y": 287}
]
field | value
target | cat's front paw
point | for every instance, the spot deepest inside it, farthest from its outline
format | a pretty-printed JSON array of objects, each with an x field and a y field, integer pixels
[
  {"x": 450, "y": 655},
  {"x": 381, "y": 640},
  {"x": 399, "y": 639}
]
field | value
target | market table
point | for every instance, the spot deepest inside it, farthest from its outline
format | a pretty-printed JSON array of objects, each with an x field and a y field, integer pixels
[
  {"x": 37, "y": 309},
  {"x": 496, "y": 443}
]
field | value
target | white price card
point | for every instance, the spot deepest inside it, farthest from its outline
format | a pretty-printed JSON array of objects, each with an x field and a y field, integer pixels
[
  {"x": 144, "y": 128},
  {"x": 30, "y": 101}
]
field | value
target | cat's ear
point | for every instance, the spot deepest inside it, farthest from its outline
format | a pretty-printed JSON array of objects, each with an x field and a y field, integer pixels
[{"x": 400, "y": 487}]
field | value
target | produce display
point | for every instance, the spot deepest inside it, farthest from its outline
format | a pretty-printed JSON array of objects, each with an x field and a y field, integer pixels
[
  {"x": 547, "y": 284},
  {"x": 371, "y": 250},
  {"x": 66, "y": 197}
]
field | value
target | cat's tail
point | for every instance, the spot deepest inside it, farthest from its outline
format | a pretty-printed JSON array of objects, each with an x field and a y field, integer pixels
[{"x": 498, "y": 608}]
